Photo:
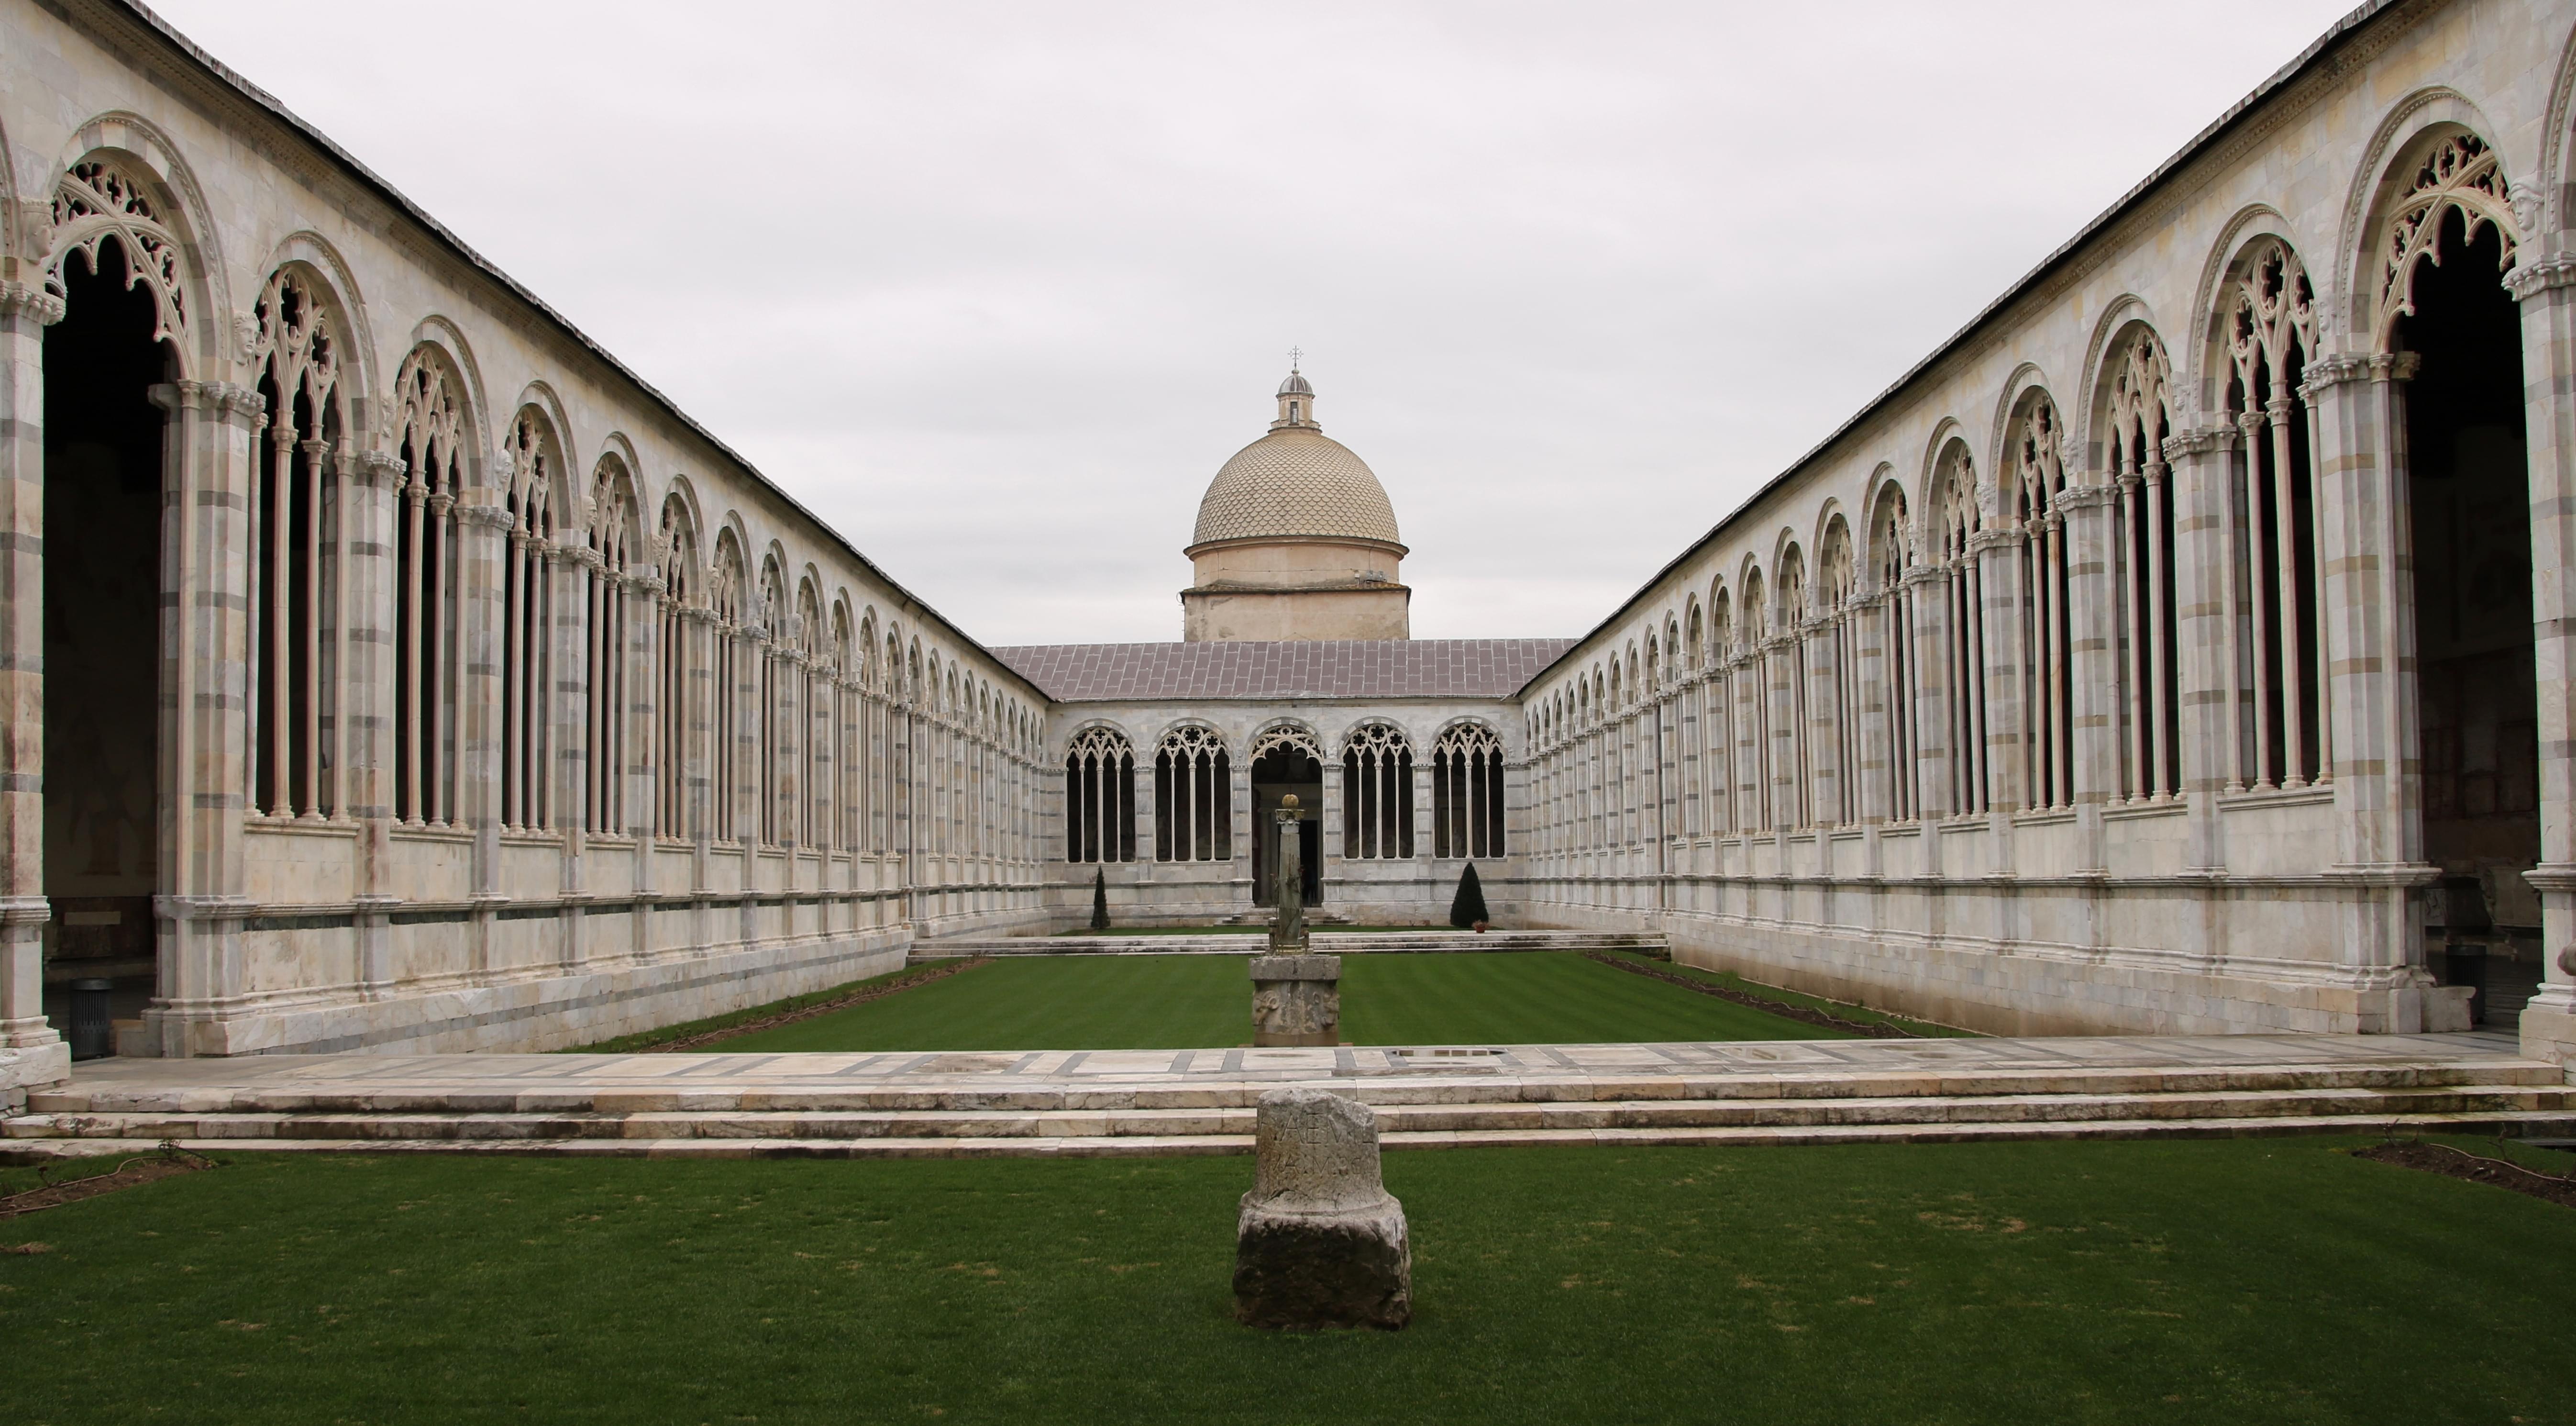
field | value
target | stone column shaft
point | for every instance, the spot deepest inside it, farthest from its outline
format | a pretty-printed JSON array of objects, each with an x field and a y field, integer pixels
[{"x": 2547, "y": 292}]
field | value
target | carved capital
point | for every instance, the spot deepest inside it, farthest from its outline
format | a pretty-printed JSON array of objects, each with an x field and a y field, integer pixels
[
  {"x": 2530, "y": 279},
  {"x": 379, "y": 469},
  {"x": 19, "y": 298},
  {"x": 2205, "y": 440},
  {"x": 2327, "y": 372},
  {"x": 490, "y": 517}
]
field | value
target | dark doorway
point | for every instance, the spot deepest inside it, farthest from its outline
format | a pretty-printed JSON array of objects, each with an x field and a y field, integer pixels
[
  {"x": 2474, "y": 670},
  {"x": 1276, "y": 774},
  {"x": 102, "y": 551}
]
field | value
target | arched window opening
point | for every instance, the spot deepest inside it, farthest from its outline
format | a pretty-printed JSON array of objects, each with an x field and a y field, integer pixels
[
  {"x": 429, "y": 437},
  {"x": 2273, "y": 633},
  {"x": 608, "y": 655},
  {"x": 1754, "y": 755},
  {"x": 105, "y": 444},
  {"x": 772, "y": 782},
  {"x": 528, "y": 630},
  {"x": 2036, "y": 478},
  {"x": 680, "y": 649},
  {"x": 811, "y": 676},
  {"x": 1725, "y": 718},
  {"x": 726, "y": 739},
  {"x": 1891, "y": 558},
  {"x": 1377, "y": 794},
  {"x": 1837, "y": 714},
  {"x": 2477, "y": 677},
  {"x": 2142, "y": 549},
  {"x": 296, "y": 497},
  {"x": 1954, "y": 506},
  {"x": 1467, "y": 793},
  {"x": 1100, "y": 798},
  {"x": 1791, "y": 767},
  {"x": 1193, "y": 798},
  {"x": 1284, "y": 760}
]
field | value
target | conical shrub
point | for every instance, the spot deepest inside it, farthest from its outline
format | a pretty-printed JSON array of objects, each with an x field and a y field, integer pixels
[{"x": 1468, "y": 906}]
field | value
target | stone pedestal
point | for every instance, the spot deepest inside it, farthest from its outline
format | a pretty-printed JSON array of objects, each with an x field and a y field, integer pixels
[
  {"x": 1296, "y": 1000},
  {"x": 1319, "y": 1242}
]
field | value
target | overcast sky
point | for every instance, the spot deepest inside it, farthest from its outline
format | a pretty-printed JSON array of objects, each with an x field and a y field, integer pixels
[{"x": 996, "y": 288}]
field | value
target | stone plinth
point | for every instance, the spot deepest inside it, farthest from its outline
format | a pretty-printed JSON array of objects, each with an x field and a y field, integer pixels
[
  {"x": 1319, "y": 1242},
  {"x": 1296, "y": 1000}
]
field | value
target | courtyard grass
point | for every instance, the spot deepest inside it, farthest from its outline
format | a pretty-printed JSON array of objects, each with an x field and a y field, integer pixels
[
  {"x": 2267, "y": 1281},
  {"x": 1729, "y": 980},
  {"x": 1195, "y": 1002}
]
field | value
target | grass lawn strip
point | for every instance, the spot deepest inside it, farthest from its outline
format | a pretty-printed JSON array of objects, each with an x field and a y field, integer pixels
[
  {"x": 2455, "y": 1162},
  {"x": 1237, "y": 931},
  {"x": 2101, "y": 1284},
  {"x": 715, "y": 1029},
  {"x": 1874, "y": 1029},
  {"x": 141, "y": 1169},
  {"x": 1773, "y": 998},
  {"x": 1181, "y": 1002}
]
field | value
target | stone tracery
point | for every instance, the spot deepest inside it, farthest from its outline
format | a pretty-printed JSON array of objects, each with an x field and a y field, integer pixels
[
  {"x": 297, "y": 499},
  {"x": 98, "y": 201}
]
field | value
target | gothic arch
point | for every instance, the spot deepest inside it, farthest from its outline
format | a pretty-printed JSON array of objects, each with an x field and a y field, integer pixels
[
  {"x": 448, "y": 340},
  {"x": 209, "y": 336},
  {"x": 1953, "y": 507},
  {"x": 1947, "y": 434},
  {"x": 2386, "y": 185},
  {"x": 684, "y": 491},
  {"x": 540, "y": 398},
  {"x": 2559, "y": 116},
  {"x": 2010, "y": 403},
  {"x": 1837, "y": 572},
  {"x": 337, "y": 286},
  {"x": 616, "y": 446},
  {"x": 2199, "y": 366},
  {"x": 1886, "y": 544}
]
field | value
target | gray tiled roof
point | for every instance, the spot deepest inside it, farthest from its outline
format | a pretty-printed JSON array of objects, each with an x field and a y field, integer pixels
[{"x": 1331, "y": 668}]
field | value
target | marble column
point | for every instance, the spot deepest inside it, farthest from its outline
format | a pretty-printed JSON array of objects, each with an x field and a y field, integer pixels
[
  {"x": 2366, "y": 606},
  {"x": 2547, "y": 293},
  {"x": 31, "y": 1053}
]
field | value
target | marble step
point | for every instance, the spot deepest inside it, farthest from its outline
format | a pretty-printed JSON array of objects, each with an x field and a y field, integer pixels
[
  {"x": 2514, "y": 1123},
  {"x": 1448, "y": 1082},
  {"x": 1327, "y": 941},
  {"x": 2556, "y": 1105}
]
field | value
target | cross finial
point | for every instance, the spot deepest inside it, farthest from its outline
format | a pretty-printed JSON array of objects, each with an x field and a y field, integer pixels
[{"x": 1295, "y": 355}]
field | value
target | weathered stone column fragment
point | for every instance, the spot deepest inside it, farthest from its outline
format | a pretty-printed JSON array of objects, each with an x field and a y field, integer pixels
[{"x": 1319, "y": 1242}]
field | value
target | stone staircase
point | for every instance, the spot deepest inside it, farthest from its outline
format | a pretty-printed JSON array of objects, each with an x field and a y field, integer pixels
[
  {"x": 1326, "y": 941},
  {"x": 1439, "y": 1097}
]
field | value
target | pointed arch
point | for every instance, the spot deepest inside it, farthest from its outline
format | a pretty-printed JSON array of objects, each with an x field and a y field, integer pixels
[
  {"x": 1193, "y": 795},
  {"x": 2032, "y": 497},
  {"x": 304, "y": 468},
  {"x": 432, "y": 438},
  {"x": 1099, "y": 795}
]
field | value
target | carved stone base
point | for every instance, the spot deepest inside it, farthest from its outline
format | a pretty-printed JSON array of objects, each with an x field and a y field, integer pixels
[
  {"x": 1349, "y": 1269},
  {"x": 1296, "y": 1000}
]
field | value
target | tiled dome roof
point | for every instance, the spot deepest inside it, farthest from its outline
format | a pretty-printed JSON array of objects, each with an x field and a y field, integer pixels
[{"x": 1295, "y": 481}]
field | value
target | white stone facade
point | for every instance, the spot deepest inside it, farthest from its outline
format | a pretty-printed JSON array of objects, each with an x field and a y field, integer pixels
[
  {"x": 1972, "y": 710},
  {"x": 2136, "y": 663}
]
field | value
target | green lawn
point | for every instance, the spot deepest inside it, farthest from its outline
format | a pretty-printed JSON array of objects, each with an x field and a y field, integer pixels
[
  {"x": 2225, "y": 1281},
  {"x": 1187, "y": 1002}
]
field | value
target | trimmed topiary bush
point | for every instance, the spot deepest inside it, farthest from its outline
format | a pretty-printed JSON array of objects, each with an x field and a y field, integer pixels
[
  {"x": 1467, "y": 908},
  {"x": 1100, "y": 899}
]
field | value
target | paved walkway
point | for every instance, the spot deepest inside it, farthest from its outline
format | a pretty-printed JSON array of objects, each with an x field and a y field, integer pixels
[{"x": 534, "y": 1081}]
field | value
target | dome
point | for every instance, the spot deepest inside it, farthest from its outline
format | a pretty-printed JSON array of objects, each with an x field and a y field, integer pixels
[
  {"x": 1295, "y": 385},
  {"x": 1295, "y": 481}
]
